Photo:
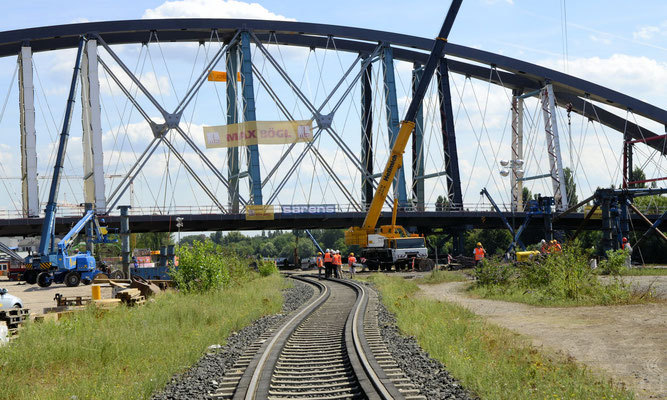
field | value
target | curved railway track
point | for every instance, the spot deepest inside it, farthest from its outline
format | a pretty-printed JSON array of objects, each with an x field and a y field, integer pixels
[{"x": 330, "y": 348}]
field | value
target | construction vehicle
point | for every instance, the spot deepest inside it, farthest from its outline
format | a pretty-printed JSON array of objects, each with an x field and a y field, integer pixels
[
  {"x": 49, "y": 264},
  {"x": 391, "y": 244},
  {"x": 58, "y": 266}
]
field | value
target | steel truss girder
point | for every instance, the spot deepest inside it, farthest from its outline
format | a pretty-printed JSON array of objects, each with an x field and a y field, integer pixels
[
  {"x": 316, "y": 36},
  {"x": 367, "y": 135},
  {"x": 160, "y": 130}
]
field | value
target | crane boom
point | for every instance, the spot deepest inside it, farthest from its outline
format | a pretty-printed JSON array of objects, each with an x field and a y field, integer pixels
[{"x": 358, "y": 235}]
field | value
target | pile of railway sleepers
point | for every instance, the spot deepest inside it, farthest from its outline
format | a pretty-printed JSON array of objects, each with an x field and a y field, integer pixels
[{"x": 131, "y": 297}]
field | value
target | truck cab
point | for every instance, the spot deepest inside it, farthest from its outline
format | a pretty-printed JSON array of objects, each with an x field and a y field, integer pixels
[{"x": 408, "y": 248}]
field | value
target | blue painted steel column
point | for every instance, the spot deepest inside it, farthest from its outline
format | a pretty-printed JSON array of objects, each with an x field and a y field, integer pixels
[
  {"x": 367, "y": 135},
  {"x": 454, "y": 193},
  {"x": 418, "y": 145},
  {"x": 254, "y": 173},
  {"x": 393, "y": 119},
  {"x": 232, "y": 118}
]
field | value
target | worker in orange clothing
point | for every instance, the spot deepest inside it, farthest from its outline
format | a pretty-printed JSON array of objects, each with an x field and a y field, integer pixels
[
  {"x": 544, "y": 247},
  {"x": 555, "y": 247},
  {"x": 337, "y": 265},
  {"x": 626, "y": 246},
  {"x": 479, "y": 253},
  {"x": 320, "y": 264},
  {"x": 351, "y": 260},
  {"x": 328, "y": 263}
]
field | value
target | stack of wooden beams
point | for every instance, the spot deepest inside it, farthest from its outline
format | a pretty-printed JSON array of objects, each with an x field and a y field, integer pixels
[{"x": 131, "y": 297}]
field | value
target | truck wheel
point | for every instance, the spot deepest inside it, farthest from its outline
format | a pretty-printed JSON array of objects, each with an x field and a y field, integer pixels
[
  {"x": 117, "y": 274},
  {"x": 30, "y": 277},
  {"x": 44, "y": 279},
  {"x": 72, "y": 279}
]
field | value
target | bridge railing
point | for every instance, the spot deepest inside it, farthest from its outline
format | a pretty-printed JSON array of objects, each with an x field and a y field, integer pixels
[{"x": 76, "y": 211}]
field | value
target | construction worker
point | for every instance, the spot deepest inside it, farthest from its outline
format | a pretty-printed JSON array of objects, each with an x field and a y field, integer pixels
[
  {"x": 479, "y": 253},
  {"x": 328, "y": 264},
  {"x": 626, "y": 246},
  {"x": 337, "y": 265},
  {"x": 351, "y": 260},
  {"x": 555, "y": 247},
  {"x": 544, "y": 248},
  {"x": 320, "y": 264}
]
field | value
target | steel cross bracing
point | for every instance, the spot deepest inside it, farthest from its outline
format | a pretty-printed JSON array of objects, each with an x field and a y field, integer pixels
[
  {"x": 323, "y": 121},
  {"x": 171, "y": 122},
  {"x": 553, "y": 147}
]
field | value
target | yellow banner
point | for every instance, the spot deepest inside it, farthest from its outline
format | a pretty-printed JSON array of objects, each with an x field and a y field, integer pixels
[
  {"x": 259, "y": 213},
  {"x": 258, "y": 132},
  {"x": 221, "y": 76}
]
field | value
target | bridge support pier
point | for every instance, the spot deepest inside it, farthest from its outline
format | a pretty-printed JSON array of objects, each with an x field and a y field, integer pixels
[
  {"x": 367, "y": 135},
  {"x": 418, "y": 145},
  {"x": 29, "y": 188},
  {"x": 232, "y": 118},
  {"x": 125, "y": 240},
  {"x": 93, "y": 157},
  {"x": 393, "y": 126},
  {"x": 454, "y": 193},
  {"x": 553, "y": 146},
  {"x": 517, "y": 150},
  {"x": 254, "y": 173}
]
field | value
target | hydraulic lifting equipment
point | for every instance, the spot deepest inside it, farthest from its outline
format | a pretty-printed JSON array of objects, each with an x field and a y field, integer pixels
[{"x": 393, "y": 236}]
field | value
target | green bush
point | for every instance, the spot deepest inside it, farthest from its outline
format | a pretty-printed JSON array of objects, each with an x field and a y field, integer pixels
[
  {"x": 560, "y": 278},
  {"x": 206, "y": 266},
  {"x": 267, "y": 268},
  {"x": 615, "y": 262},
  {"x": 493, "y": 271}
]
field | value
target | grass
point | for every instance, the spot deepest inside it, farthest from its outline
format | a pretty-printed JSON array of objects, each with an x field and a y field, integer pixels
[
  {"x": 491, "y": 361},
  {"x": 644, "y": 272},
  {"x": 440, "y": 276},
  {"x": 128, "y": 353}
]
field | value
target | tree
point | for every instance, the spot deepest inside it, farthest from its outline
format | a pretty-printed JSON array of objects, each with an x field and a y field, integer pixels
[
  {"x": 154, "y": 240},
  {"x": 268, "y": 250},
  {"x": 638, "y": 175},
  {"x": 525, "y": 196},
  {"x": 216, "y": 237},
  {"x": 190, "y": 239},
  {"x": 570, "y": 187}
]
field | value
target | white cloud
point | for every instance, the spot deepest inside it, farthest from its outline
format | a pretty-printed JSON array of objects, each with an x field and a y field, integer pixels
[
  {"x": 212, "y": 9},
  {"x": 648, "y": 32},
  {"x": 601, "y": 38},
  {"x": 641, "y": 77}
]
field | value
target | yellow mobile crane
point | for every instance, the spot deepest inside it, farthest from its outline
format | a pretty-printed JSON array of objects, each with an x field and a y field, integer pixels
[{"x": 391, "y": 244}]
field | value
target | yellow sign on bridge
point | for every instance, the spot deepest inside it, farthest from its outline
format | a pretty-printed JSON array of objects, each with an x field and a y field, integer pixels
[{"x": 258, "y": 132}]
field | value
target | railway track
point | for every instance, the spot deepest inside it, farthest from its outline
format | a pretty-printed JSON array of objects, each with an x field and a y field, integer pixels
[{"x": 330, "y": 348}]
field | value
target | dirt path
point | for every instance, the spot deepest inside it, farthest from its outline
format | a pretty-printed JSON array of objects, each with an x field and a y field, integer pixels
[{"x": 629, "y": 343}]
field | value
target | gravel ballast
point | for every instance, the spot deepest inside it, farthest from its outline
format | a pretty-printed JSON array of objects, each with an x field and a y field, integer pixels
[
  {"x": 428, "y": 374},
  {"x": 203, "y": 377}
]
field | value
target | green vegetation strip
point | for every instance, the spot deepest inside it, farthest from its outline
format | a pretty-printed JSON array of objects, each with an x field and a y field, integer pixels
[
  {"x": 128, "y": 353},
  {"x": 489, "y": 360}
]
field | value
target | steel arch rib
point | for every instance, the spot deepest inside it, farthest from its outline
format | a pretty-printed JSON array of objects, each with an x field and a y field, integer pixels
[{"x": 518, "y": 74}]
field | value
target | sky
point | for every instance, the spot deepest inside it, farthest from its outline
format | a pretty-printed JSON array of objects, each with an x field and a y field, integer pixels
[{"x": 622, "y": 45}]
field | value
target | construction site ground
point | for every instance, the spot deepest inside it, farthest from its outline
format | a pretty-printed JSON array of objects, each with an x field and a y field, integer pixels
[
  {"x": 627, "y": 343},
  {"x": 36, "y": 298}
]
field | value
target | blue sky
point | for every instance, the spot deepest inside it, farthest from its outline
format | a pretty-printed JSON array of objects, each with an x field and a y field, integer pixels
[{"x": 616, "y": 43}]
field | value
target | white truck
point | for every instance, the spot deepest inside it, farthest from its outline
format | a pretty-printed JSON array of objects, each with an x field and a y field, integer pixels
[{"x": 382, "y": 252}]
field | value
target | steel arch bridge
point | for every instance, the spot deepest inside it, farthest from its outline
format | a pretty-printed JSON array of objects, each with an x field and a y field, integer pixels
[{"x": 373, "y": 58}]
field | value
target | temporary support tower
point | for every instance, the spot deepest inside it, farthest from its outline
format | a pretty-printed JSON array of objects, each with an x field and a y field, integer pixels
[
  {"x": 553, "y": 146},
  {"x": 29, "y": 188},
  {"x": 517, "y": 150}
]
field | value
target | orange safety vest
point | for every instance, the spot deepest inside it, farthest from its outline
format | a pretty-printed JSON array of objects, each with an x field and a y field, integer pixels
[
  {"x": 479, "y": 253},
  {"x": 625, "y": 245},
  {"x": 337, "y": 259},
  {"x": 327, "y": 257},
  {"x": 319, "y": 262},
  {"x": 351, "y": 260}
]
